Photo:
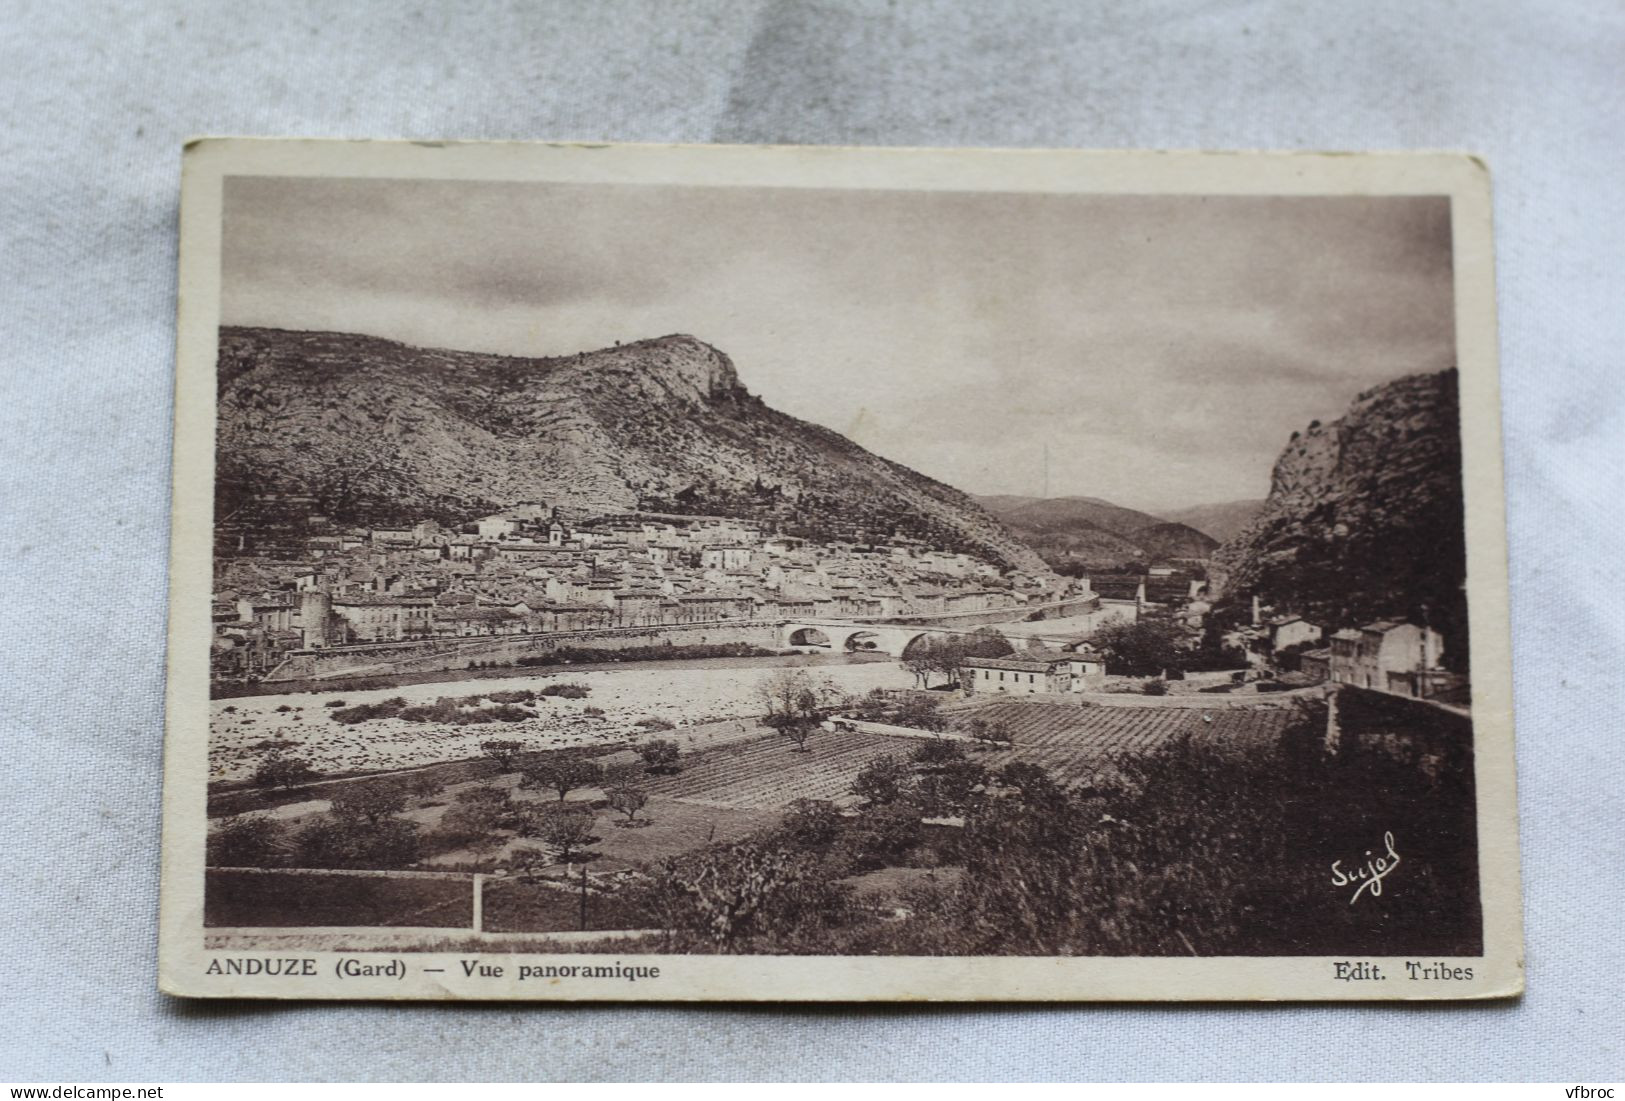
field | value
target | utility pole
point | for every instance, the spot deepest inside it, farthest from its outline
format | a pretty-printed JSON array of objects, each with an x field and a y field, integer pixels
[{"x": 583, "y": 896}]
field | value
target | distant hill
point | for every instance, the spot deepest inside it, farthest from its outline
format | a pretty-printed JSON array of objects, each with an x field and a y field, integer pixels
[
  {"x": 1095, "y": 533},
  {"x": 1222, "y": 521},
  {"x": 369, "y": 431},
  {"x": 1067, "y": 513},
  {"x": 1003, "y": 502},
  {"x": 1364, "y": 519},
  {"x": 1164, "y": 542}
]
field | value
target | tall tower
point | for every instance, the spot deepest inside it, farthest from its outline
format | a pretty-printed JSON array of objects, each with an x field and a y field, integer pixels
[{"x": 314, "y": 610}]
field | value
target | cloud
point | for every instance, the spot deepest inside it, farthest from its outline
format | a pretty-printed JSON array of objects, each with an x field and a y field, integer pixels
[{"x": 1161, "y": 348}]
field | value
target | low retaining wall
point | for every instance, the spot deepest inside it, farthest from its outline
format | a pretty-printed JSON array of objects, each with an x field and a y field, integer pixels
[
  {"x": 1072, "y": 606},
  {"x": 445, "y": 654}
]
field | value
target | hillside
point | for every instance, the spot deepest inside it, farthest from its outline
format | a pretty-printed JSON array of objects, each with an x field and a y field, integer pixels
[
  {"x": 1096, "y": 533},
  {"x": 1165, "y": 542},
  {"x": 1221, "y": 522},
  {"x": 1069, "y": 513},
  {"x": 367, "y": 431},
  {"x": 1364, "y": 518}
]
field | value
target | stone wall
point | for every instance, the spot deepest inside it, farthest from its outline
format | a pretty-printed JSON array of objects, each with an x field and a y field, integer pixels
[{"x": 506, "y": 649}]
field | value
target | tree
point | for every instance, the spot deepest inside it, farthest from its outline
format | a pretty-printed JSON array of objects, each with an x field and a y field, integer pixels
[
  {"x": 368, "y": 801},
  {"x": 562, "y": 774},
  {"x": 810, "y": 824},
  {"x": 796, "y": 703},
  {"x": 424, "y": 785},
  {"x": 503, "y": 751},
  {"x": 883, "y": 780},
  {"x": 936, "y": 752},
  {"x": 1028, "y": 778},
  {"x": 882, "y": 835},
  {"x": 474, "y": 820},
  {"x": 920, "y": 712},
  {"x": 248, "y": 841},
  {"x": 622, "y": 777},
  {"x": 1145, "y": 648},
  {"x": 920, "y": 661},
  {"x": 947, "y": 782},
  {"x": 985, "y": 642},
  {"x": 660, "y": 755},
  {"x": 629, "y": 801},
  {"x": 566, "y": 833},
  {"x": 356, "y": 843},
  {"x": 947, "y": 655},
  {"x": 727, "y": 892},
  {"x": 279, "y": 771}
]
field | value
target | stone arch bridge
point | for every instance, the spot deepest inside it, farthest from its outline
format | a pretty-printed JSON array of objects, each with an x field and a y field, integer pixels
[{"x": 878, "y": 638}]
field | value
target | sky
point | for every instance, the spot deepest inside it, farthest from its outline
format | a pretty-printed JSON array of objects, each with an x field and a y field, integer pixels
[{"x": 1155, "y": 351}]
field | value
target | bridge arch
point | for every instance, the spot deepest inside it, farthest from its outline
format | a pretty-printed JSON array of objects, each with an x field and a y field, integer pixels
[
  {"x": 905, "y": 642},
  {"x": 863, "y": 641},
  {"x": 808, "y": 636}
]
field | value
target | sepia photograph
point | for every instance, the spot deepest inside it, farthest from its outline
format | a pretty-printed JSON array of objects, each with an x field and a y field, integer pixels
[{"x": 836, "y": 574}]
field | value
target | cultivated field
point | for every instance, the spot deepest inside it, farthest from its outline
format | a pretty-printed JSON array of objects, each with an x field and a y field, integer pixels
[
  {"x": 769, "y": 773},
  {"x": 1074, "y": 742},
  {"x": 625, "y": 696}
]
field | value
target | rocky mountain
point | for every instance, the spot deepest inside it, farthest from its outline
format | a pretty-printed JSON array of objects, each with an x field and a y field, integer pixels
[
  {"x": 1221, "y": 522},
  {"x": 367, "y": 431},
  {"x": 1096, "y": 533},
  {"x": 1364, "y": 518}
]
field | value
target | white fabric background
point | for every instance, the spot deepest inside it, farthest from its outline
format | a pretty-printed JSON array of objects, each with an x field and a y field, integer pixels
[{"x": 95, "y": 100}]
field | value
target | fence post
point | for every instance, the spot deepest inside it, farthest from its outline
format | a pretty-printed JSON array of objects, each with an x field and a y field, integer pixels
[{"x": 479, "y": 902}]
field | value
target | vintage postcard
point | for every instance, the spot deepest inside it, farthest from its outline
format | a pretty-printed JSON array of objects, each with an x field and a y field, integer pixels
[{"x": 679, "y": 573}]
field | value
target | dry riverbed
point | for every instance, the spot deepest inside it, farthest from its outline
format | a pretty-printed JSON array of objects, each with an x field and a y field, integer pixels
[{"x": 685, "y": 697}]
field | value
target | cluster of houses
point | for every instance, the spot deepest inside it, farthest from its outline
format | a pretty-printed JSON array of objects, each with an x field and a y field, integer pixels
[
  {"x": 1394, "y": 656},
  {"x": 529, "y": 570}
]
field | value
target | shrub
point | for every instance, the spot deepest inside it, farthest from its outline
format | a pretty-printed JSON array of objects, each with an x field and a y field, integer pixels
[
  {"x": 424, "y": 785},
  {"x": 251, "y": 841},
  {"x": 809, "y": 825},
  {"x": 502, "y": 751},
  {"x": 517, "y": 695},
  {"x": 937, "y": 752},
  {"x": 951, "y": 788},
  {"x": 569, "y": 690},
  {"x": 726, "y": 894},
  {"x": 341, "y": 843},
  {"x": 473, "y": 821},
  {"x": 369, "y": 801},
  {"x": 593, "y": 712},
  {"x": 1154, "y": 688},
  {"x": 334, "y": 703},
  {"x": 366, "y": 712},
  {"x": 284, "y": 772},
  {"x": 882, "y": 835},
  {"x": 656, "y": 724},
  {"x": 883, "y": 780},
  {"x": 660, "y": 755}
]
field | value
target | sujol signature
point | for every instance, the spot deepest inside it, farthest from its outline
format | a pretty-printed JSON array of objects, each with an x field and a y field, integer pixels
[{"x": 1371, "y": 876}]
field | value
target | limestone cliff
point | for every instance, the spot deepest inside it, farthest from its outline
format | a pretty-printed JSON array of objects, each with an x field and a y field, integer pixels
[{"x": 1364, "y": 517}]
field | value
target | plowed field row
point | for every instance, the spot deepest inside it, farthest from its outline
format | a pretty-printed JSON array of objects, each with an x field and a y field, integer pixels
[
  {"x": 1074, "y": 743},
  {"x": 769, "y": 772}
]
